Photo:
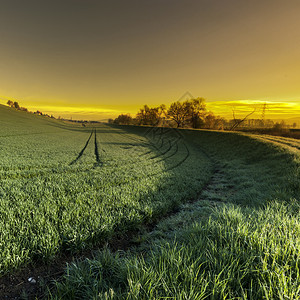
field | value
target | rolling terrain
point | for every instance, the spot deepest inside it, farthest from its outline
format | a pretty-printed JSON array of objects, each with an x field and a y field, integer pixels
[
  {"x": 225, "y": 205},
  {"x": 66, "y": 187}
]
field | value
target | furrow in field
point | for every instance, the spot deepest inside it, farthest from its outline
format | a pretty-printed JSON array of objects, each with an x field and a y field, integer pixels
[
  {"x": 182, "y": 160},
  {"x": 162, "y": 143},
  {"x": 172, "y": 154},
  {"x": 294, "y": 144},
  {"x": 164, "y": 152},
  {"x": 98, "y": 161},
  {"x": 142, "y": 143},
  {"x": 82, "y": 150}
]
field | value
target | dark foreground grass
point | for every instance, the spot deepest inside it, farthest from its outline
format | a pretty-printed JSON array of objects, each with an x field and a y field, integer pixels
[{"x": 246, "y": 245}]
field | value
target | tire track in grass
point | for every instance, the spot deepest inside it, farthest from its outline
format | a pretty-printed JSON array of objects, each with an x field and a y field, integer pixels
[
  {"x": 148, "y": 143},
  {"x": 291, "y": 144},
  {"x": 126, "y": 137},
  {"x": 158, "y": 149},
  {"x": 164, "y": 152},
  {"x": 162, "y": 143},
  {"x": 141, "y": 141},
  {"x": 177, "y": 164},
  {"x": 82, "y": 150},
  {"x": 182, "y": 161},
  {"x": 163, "y": 138},
  {"x": 98, "y": 161},
  {"x": 172, "y": 154}
]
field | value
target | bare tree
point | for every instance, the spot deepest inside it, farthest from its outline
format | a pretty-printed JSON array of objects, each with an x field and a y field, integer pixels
[
  {"x": 179, "y": 112},
  {"x": 190, "y": 112},
  {"x": 197, "y": 109},
  {"x": 123, "y": 119},
  {"x": 238, "y": 122},
  {"x": 151, "y": 116}
]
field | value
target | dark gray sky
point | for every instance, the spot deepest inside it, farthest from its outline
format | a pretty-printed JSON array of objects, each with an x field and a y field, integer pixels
[{"x": 119, "y": 55}]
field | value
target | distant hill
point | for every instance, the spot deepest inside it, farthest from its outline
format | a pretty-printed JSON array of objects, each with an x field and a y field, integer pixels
[{"x": 13, "y": 121}]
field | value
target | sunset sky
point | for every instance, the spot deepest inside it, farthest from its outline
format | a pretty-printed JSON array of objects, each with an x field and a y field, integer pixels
[{"x": 93, "y": 59}]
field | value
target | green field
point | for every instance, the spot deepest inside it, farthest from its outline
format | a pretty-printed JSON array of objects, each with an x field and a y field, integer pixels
[{"x": 65, "y": 188}]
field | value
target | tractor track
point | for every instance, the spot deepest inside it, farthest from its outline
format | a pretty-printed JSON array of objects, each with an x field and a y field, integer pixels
[
  {"x": 182, "y": 161},
  {"x": 146, "y": 144},
  {"x": 156, "y": 148},
  {"x": 165, "y": 151},
  {"x": 82, "y": 150},
  {"x": 98, "y": 161},
  {"x": 171, "y": 155},
  {"x": 282, "y": 142}
]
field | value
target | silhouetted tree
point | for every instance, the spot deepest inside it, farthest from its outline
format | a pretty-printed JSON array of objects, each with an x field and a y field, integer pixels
[
  {"x": 213, "y": 122},
  {"x": 10, "y": 103},
  {"x": 150, "y": 116},
  {"x": 188, "y": 112},
  {"x": 179, "y": 112},
  {"x": 16, "y": 105},
  {"x": 196, "y": 111},
  {"x": 123, "y": 120}
]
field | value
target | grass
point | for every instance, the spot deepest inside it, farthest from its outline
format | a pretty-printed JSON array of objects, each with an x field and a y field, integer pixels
[
  {"x": 239, "y": 241},
  {"x": 65, "y": 188},
  {"x": 235, "y": 253}
]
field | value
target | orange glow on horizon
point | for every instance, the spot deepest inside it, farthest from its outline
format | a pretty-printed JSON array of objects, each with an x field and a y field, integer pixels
[
  {"x": 275, "y": 110},
  {"x": 121, "y": 56}
]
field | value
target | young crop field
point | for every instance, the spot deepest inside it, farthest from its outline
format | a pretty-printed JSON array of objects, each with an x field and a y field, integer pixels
[
  {"x": 65, "y": 188},
  {"x": 225, "y": 205},
  {"x": 240, "y": 240}
]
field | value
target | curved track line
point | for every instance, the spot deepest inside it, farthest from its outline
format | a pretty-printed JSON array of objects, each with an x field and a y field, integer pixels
[
  {"x": 157, "y": 148},
  {"x": 171, "y": 155},
  {"x": 163, "y": 153},
  {"x": 282, "y": 142},
  {"x": 182, "y": 161},
  {"x": 82, "y": 150}
]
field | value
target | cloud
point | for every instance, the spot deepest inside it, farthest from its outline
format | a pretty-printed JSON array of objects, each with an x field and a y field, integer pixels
[{"x": 273, "y": 109}]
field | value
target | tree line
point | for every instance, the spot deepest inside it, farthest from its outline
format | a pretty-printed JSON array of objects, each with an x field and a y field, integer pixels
[
  {"x": 190, "y": 113},
  {"x": 15, "y": 104}
]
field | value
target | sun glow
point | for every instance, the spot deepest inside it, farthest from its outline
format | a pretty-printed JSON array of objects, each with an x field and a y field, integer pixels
[{"x": 273, "y": 109}]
